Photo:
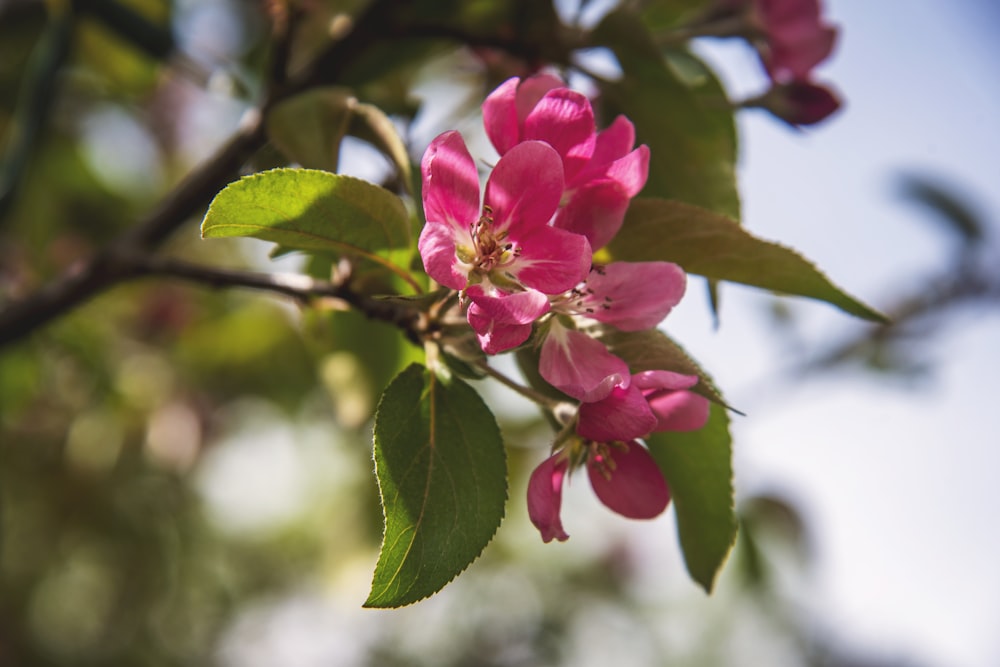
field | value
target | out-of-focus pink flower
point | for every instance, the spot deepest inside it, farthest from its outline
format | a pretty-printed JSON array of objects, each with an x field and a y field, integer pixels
[
  {"x": 652, "y": 401},
  {"x": 545, "y": 497},
  {"x": 603, "y": 171},
  {"x": 578, "y": 365},
  {"x": 801, "y": 102},
  {"x": 796, "y": 38},
  {"x": 627, "y": 480}
]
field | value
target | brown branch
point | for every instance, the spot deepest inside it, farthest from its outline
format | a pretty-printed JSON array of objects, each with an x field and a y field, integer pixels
[{"x": 302, "y": 288}]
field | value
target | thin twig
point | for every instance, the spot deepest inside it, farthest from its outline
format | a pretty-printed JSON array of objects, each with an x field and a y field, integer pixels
[{"x": 556, "y": 407}]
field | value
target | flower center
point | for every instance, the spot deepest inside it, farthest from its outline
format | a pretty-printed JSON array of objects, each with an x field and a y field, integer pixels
[{"x": 492, "y": 250}]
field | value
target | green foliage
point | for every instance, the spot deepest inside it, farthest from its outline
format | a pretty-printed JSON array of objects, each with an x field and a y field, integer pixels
[
  {"x": 698, "y": 469},
  {"x": 442, "y": 475},
  {"x": 685, "y": 120},
  {"x": 306, "y": 209},
  {"x": 714, "y": 246},
  {"x": 309, "y": 128}
]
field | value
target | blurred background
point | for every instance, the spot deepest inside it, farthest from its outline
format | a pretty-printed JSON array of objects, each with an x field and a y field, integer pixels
[{"x": 186, "y": 474}]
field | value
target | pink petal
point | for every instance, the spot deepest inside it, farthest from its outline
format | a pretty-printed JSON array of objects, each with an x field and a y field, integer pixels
[
  {"x": 622, "y": 416},
  {"x": 675, "y": 408},
  {"x": 551, "y": 260},
  {"x": 596, "y": 211},
  {"x": 804, "y": 103},
  {"x": 678, "y": 410},
  {"x": 505, "y": 109},
  {"x": 631, "y": 170},
  {"x": 532, "y": 90},
  {"x": 450, "y": 182},
  {"x": 633, "y": 296},
  {"x": 500, "y": 116},
  {"x": 495, "y": 337},
  {"x": 524, "y": 188},
  {"x": 437, "y": 250},
  {"x": 579, "y": 366},
  {"x": 503, "y": 321},
  {"x": 614, "y": 141},
  {"x": 564, "y": 119},
  {"x": 630, "y": 483},
  {"x": 664, "y": 380},
  {"x": 795, "y": 57},
  {"x": 545, "y": 498}
]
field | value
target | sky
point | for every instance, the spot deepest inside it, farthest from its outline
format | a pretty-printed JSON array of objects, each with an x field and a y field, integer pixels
[{"x": 897, "y": 484}]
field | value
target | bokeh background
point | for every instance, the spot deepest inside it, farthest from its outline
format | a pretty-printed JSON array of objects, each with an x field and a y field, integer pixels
[{"x": 186, "y": 474}]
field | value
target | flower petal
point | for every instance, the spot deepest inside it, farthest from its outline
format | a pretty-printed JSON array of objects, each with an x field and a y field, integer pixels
[
  {"x": 500, "y": 116},
  {"x": 629, "y": 482},
  {"x": 633, "y": 296},
  {"x": 580, "y": 366},
  {"x": 450, "y": 182},
  {"x": 678, "y": 410},
  {"x": 437, "y": 250},
  {"x": 524, "y": 188},
  {"x": 551, "y": 260},
  {"x": 675, "y": 408},
  {"x": 503, "y": 321},
  {"x": 622, "y": 416},
  {"x": 545, "y": 497},
  {"x": 564, "y": 119},
  {"x": 596, "y": 211}
]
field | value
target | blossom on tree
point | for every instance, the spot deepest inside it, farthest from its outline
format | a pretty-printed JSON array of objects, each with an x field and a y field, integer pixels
[
  {"x": 630, "y": 296},
  {"x": 506, "y": 247},
  {"x": 603, "y": 170},
  {"x": 652, "y": 401},
  {"x": 623, "y": 475}
]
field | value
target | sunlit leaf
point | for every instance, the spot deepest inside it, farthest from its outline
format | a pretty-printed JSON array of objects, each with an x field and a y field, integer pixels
[
  {"x": 714, "y": 246},
  {"x": 441, "y": 468},
  {"x": 306, "y": 209},
  {"x": 698, "y": 469}
]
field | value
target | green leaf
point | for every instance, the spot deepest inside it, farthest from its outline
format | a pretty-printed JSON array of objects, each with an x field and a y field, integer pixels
[
  {"x": 653, "y": 350},
  {"x": 369, "y": 123},
  {"x": 716, "y": 247},
  {"x": 698, "y": 468},
  {"x": 306, "y": 209},
  {"x": 441, "y": 470},
  {"x": 680, "y": 111},
  {"x": 308, "y": 128}
]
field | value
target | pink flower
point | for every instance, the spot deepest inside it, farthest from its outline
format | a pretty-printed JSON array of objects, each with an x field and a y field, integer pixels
[
  {"x": 580, "y": 366},
  {"x": 801, "y": 102},
  {"x": 508, "y": 244},
  {"x": 630, "y": 296},
  {"x": 623, "y": 475},
  {"x": 545, "y": 497},
  {"x": 653, "y": 401},
  {"x": 627, "y": 480},
  {"x": 503, "y": 322},
  {"x": 795, "y": 37},
  {"x": 602, "y": 170}
]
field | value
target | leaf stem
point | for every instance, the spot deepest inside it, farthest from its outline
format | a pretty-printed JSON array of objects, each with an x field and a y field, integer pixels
[{"x": 554, "y": 406}]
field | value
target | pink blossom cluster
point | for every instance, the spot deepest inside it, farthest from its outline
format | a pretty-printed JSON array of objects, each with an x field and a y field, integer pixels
[
  {"x": 522, "y": 261},
  {"x": 792, "y": 39}
]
